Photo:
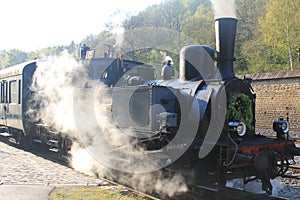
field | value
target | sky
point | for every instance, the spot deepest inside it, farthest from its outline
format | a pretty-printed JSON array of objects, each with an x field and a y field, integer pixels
[{"x": 30, "y": 25}]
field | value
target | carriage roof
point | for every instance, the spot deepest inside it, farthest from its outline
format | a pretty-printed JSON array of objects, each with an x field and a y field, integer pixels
[{"x": 15, "y": 70}]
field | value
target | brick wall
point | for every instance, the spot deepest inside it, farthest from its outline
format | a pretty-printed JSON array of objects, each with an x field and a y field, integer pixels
[{"x": 277, "y": 94}]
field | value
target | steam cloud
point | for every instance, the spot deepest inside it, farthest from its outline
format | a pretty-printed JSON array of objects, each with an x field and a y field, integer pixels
[
  {"x": 76, "y": 106},
  {"x": 52, "y": 83},
  {"x": 224, "y": 8}
]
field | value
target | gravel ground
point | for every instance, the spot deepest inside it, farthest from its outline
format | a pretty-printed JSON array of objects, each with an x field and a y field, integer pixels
[{"x": 21, "y": 167}]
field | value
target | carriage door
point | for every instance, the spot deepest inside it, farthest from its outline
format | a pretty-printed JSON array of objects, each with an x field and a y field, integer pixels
[{"x": 4, "y": 105}]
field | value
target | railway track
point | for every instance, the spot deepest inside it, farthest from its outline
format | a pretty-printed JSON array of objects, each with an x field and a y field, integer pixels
[
  {"x": 56, "y": 157},
  {"x": 227, "y": 193},
  {"x": 131, "y": 190},
  {"x": 295, "y": 173},
  {"x": 297, "y": 168}
]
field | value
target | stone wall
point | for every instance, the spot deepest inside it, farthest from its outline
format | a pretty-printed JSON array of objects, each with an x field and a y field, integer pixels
[{"x": 277, "y": 94}]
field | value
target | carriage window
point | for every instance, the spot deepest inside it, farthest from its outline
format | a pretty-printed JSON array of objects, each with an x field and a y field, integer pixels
[
  {"x": 19, "y": 92},
  {"x": 2, "y": 92},
  {"x": 5, "y": 91},
  {"x": 13, "y": 92}
]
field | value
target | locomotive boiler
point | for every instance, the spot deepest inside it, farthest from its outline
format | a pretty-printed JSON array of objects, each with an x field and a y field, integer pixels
[{"x": 204, "y": 122}]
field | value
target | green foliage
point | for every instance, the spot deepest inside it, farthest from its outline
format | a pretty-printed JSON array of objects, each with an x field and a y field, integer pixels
[
  {"x": 248, "y": 44},
  {"x": 267, "y": 38},
  {"x": 280, "y": 33},
  {"x": 201, "y": 24},
  {"x": 240, "y": 109},
  {"x": 12, "y": 57}
]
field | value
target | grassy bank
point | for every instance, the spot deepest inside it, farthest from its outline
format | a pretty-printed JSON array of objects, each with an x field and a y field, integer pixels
[{"x": 92, "y": 193}]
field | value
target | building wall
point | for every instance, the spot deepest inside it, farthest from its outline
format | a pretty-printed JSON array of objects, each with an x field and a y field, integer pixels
[{"x": 277, "y": 94}]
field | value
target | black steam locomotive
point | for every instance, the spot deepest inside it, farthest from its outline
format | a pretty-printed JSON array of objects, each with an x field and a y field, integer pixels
[{"x": 203, "y": 122}]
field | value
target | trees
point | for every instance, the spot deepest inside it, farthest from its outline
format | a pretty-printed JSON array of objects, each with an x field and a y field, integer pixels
[
  {"x": 201, "y": 24},
  {"x": 280, "y": 34},
  {"x": 12, "y": 57},
  {"x": 169, "y": 26},
  {"x": 249, "y": 49},
  {"x": 267, "y": 38}
]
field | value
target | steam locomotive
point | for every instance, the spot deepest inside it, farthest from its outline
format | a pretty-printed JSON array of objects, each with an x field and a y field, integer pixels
[{"x": 203, "y": 122}]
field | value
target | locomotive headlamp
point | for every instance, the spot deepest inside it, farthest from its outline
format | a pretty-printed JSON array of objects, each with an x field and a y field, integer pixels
[
  {"x": 238, "y": 128},
  {"x": 281, "y": 126}
]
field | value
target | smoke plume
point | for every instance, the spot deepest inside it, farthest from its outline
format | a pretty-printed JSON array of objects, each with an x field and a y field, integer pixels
[
  {"x": 53, "y": 91},
  {"x": 224, "y": 8}
]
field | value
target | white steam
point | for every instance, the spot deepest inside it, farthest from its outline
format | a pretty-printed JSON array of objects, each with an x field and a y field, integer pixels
[
  {"x": 224, "y": 8},
  {"x": 72, "y": 104},
  {"x": 256, "y": 186},
  {"x": 83, "y": 161},
  {"x": 54, "y": 91}
]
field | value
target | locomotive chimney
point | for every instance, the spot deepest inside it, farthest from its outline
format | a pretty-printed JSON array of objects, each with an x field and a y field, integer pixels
[{"x": 225, "y": 41}]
